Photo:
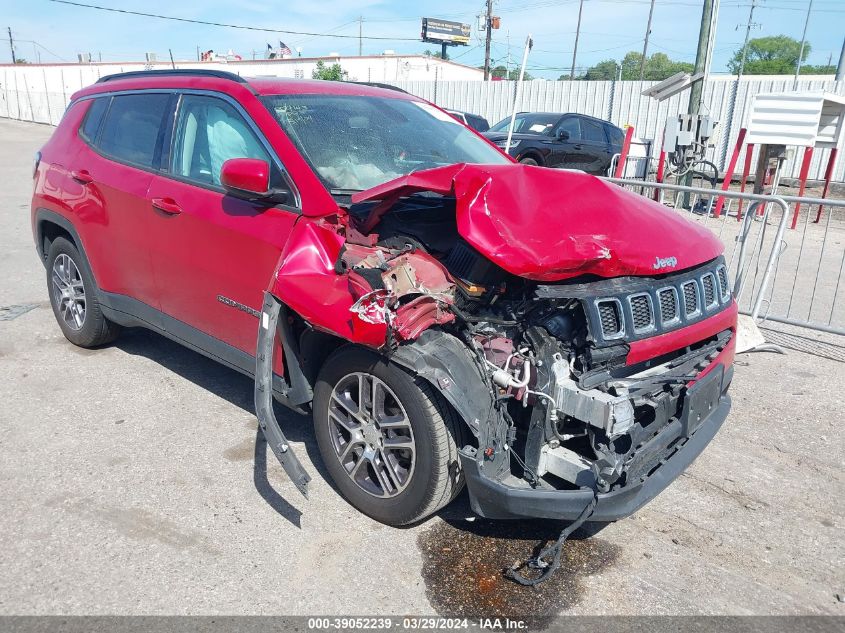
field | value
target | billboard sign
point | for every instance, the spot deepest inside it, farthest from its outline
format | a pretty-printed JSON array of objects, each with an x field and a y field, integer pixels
[{"x": 445, "y": 32}]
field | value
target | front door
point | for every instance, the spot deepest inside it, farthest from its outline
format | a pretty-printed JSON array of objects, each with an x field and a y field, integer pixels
[{"x": 214, "y": 254}]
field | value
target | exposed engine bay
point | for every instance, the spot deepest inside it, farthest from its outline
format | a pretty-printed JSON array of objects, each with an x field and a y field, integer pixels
[{"x": 567, "y": 408}]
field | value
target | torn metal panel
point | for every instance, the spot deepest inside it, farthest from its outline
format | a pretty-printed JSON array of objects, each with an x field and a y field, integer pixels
[{"x": 551, "y": 225}]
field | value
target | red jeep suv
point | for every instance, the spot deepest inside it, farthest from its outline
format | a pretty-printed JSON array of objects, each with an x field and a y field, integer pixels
[{"x": 446, "y": 315}]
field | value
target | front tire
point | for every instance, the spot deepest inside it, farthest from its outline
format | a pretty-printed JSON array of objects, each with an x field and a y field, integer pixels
[
  {"x": 389, "y": 440},
  {"x": 73, "y": 295},
  {"x": 529, "y": 161}
]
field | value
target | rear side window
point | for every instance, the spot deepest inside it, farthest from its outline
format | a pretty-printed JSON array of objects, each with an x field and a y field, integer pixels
[
  {"x": 616, "y": 135},
  {"x": 477, "y": 123},
  {"x": 592, "y": 131},
  {"x": 93, "y": 118},
  {"x": 131, "y": 128}
]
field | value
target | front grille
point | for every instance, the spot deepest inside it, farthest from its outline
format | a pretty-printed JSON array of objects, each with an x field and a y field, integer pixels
[
  {"x": 641, "y": 312},
  {"x": 690, "y": 298},
  {"x": 708, "y": 284},
  {"x": 632, "y": 308},
  {"x": 668, "y": 305},
  {"x": 723, "y": 280},
  {"x": 611, "y": 319}
]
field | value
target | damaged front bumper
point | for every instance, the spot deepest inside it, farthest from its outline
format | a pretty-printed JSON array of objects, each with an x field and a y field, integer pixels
[{"x": 658, "y": 463}]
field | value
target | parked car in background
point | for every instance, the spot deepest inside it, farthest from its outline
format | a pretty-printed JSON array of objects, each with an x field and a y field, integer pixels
[
  {"x": 568, "y": 141},
  {"x": 475, "y": 121}
]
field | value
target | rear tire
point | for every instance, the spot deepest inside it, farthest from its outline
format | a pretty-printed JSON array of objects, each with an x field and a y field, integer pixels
[
  {"x": 396, "y": 457},
  {"x": 529, "y": 161},
  {"x": 73, "y": 295}
]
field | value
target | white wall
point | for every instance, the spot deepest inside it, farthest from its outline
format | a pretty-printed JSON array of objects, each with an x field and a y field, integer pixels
[{"x": 40, "y": 93}]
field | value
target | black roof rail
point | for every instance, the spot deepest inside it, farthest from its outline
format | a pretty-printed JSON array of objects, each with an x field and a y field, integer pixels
[
  {"x": 171, "y": 72},
  {"x": 375, "y": 84}
]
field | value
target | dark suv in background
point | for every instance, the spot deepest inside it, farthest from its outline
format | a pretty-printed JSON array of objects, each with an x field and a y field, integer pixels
[{"x": 568, "y": 141}]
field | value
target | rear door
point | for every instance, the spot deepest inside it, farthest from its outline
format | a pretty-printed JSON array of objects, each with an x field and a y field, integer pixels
[
  {"x": 213, "y": 254},
  {"x": 111, "y": 174},
  {"x": 595, "y": 149}
]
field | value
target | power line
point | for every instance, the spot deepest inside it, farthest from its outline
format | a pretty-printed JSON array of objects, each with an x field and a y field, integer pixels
[{"x": 230, "y": 26}]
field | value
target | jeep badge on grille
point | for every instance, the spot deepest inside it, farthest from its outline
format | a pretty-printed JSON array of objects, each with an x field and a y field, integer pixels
[{"x": 667, "y": 262}]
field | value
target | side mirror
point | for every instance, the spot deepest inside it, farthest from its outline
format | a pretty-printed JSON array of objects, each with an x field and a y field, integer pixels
[
  {"x": 563, "y": 135},
  {"x": 249, "y": 178}
]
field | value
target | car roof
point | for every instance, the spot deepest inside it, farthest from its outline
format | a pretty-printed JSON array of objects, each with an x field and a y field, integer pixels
[
  {"x": 585, "y": 116},
  {"x": 231, "y": 83}
]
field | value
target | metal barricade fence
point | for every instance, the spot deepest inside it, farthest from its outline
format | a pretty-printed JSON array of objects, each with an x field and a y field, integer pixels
[{"x": 781, "y": 275}]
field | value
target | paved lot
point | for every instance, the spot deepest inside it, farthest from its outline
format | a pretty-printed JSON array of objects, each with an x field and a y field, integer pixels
[{"x": 131, "y": 482}]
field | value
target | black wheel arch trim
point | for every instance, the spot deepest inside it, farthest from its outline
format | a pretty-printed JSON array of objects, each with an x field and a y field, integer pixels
[
  {"x": 445, "y": 362},
  {"x": 42, "y": 216}
]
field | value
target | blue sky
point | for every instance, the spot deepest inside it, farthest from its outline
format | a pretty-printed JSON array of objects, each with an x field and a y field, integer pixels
[{"x": 609, "y": 28}]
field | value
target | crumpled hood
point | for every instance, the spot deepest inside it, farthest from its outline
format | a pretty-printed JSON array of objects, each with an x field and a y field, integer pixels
[{"x": 551, "y": 225}]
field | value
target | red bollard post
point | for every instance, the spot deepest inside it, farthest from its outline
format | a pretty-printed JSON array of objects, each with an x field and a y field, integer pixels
[
  {"x": 726, "y": 182},
  {"x": 828, "y": 175},
  {"x": 746, "y": 169},
  {"x": 623, "y": 156},
  {"x": 802, "y": 178},
  {"x": 661, "y": 164}
]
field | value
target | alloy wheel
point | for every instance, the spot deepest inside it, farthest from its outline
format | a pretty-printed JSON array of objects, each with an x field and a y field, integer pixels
[
  {"x": 371, "y": 434},
  {"x": 69, "y": 292}
]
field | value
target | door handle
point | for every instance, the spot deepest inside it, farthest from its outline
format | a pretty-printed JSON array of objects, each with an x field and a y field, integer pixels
[
  {"x": 166, "y": 205},
  {"x": 579, "y": 146},
  {"x": 82, "y": 176}
]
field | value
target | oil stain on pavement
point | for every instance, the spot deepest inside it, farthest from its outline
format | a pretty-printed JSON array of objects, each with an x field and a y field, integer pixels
[{"x": 464, "y": 564}]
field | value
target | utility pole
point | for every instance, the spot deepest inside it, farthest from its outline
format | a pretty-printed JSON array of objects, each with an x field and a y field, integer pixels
[
  {"x": 735, "y": 88},
  {"x": 360, "y": 35},
  {"x": 488, "y": 19},
  {"x": 697, "y": 88},
  {"x": 577, "y": 35},
  {"x": 801, "y": 51},
  {"x": 645, "y": 44},
  {"x": 750, "y": 25},
  {"x": 12, "y": 46},
  {"x": 701, "y": 56},
  {"x": 840, "y": 69}
]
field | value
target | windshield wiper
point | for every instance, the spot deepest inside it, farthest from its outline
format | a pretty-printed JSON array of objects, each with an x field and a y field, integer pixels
[{"x": 344, "y": 192}]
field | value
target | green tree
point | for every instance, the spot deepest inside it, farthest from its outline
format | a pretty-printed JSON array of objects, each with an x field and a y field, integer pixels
[
  {"x": 21, "y": 60},
  {"x": 501, "y": 72},
  {"x": 603, "y": 71},
  {"x": 657, "y": 67},
  {"x": 329, "y": 73},
  {"x": 775, "y": 55},
  {"x": 819, "y": 70},
  {"x": 436, "y": 54}
]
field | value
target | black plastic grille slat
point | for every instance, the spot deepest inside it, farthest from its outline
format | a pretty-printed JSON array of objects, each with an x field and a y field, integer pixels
[
  {"x": 709, "y": 290},
  {"x": 611, "y": 323},
  {"x": 723, "y": 281},
  {"x": 668, "y": 305},
  {"x": 641, "y": 311},
  {"x": 690, "y": 298}
]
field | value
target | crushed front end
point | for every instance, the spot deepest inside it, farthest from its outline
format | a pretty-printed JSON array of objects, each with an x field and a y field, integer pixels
[
  {"x": 584, "y": 334},
  {"x": 612, "y": 386}
]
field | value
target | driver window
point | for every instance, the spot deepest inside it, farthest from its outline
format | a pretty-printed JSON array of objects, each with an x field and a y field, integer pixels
[
  {"x": 209, "y": 132},
  {"x": 571, "y": 125}
]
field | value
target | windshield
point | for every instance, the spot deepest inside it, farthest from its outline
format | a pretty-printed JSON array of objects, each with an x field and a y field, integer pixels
[
  {"x": 356, "y": 142},
  {"x": 527, "y": 123}
]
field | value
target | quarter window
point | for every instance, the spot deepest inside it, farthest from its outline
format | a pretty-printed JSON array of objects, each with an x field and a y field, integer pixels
[
  {"x": 131, "y": 128},
  {"x": 93, "y": 118},
  {"x": 617, "y": 137},
  {"x": 209, "y": 132}
]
